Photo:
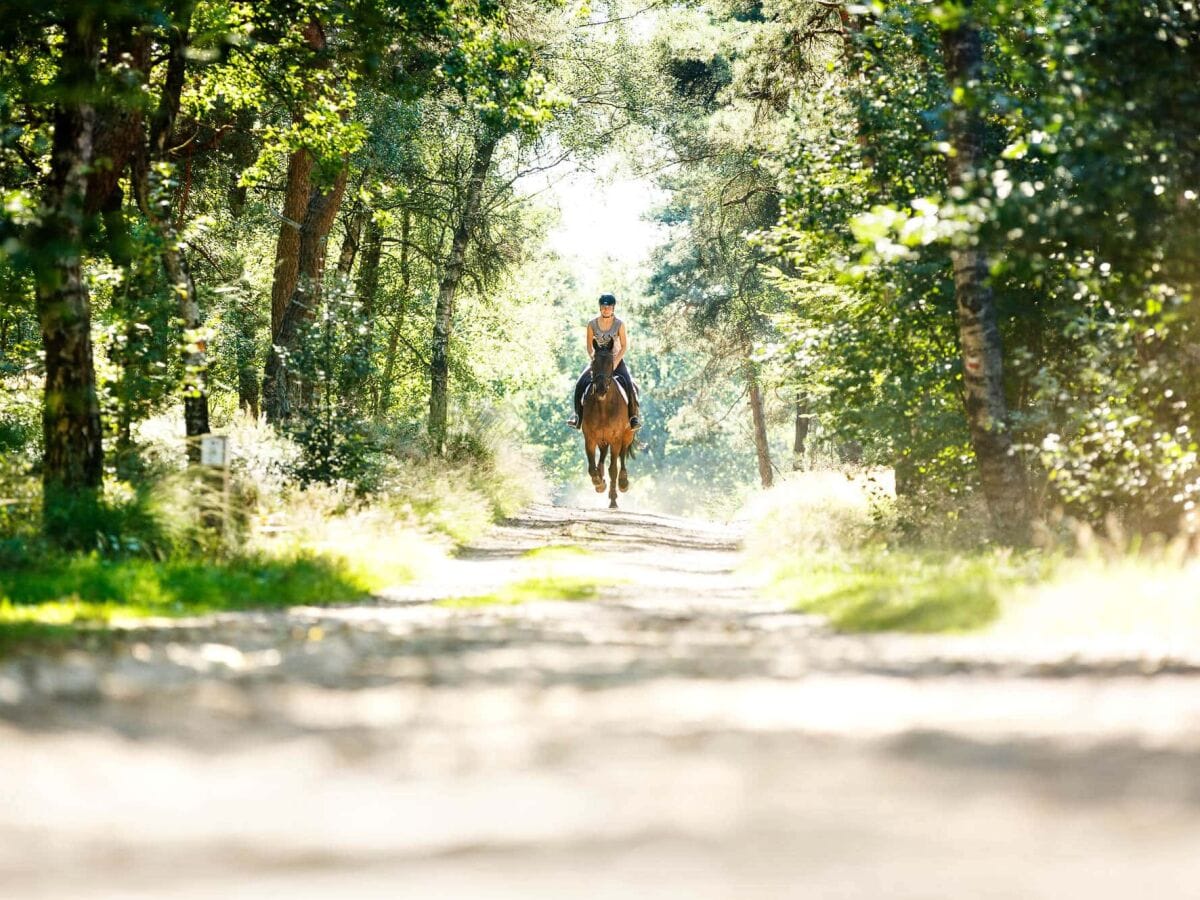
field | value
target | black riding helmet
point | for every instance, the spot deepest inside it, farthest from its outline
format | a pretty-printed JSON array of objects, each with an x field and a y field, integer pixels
[{"x": 608, "y": 300}]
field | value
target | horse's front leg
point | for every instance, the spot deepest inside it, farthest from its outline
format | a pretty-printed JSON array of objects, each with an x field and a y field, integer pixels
[
  {"x": 612, "y": 478},
  {"x": 623, "y": 480},
  {"x": 598, "y": 478},
  {"x": 589, "y": 449}
]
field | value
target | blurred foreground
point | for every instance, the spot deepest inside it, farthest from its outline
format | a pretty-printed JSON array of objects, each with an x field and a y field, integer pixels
[{"x": 665, "y": 731}]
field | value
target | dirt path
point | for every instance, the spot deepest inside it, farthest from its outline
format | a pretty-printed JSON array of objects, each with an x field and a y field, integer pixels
[{"x": 678, "y": 736}]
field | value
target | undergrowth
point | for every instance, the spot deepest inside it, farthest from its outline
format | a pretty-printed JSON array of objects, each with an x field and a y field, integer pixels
[
  {"x": 175, "y": 544},
  {"x": 834, "y": 545}
]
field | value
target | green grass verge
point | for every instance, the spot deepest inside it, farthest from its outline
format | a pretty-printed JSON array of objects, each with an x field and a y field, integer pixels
[
  {"x": 910, "y": 592},
  {"x": 54, "y": 602},
  {"x": 556, "y": 572},
  {"x": 530, "y": 590}
]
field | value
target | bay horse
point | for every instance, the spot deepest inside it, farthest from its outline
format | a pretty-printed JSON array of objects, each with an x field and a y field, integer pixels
[{"x": 606, "y": 428}]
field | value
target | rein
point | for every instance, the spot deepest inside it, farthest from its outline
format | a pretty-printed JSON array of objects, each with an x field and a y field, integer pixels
[{"x": 600, "y": 379}]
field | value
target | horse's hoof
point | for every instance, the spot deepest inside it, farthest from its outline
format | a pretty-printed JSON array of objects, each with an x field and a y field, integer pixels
[
  {"x": 623, "y": 484},
  {"x": 612, "y": 504},
  {"x": 600, "y": 487}
]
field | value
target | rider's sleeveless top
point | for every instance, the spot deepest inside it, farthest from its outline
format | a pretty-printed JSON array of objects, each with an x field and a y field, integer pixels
[{"x": 612, "y": 337}]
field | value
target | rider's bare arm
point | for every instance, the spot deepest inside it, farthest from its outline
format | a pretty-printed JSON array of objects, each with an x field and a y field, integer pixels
[
  {"x": 624, "y": 346},
  {"x": 590, "y": 351}
]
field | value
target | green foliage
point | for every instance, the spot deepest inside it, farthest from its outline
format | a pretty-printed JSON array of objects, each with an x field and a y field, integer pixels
[
  {"x": 146, "y": 552},
  {"x": 19, "y": 428},
  {"x": 1086, "y": 206}
]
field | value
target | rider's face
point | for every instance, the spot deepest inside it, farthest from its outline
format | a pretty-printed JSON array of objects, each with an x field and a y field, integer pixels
[{"x": 607, "y": 311}]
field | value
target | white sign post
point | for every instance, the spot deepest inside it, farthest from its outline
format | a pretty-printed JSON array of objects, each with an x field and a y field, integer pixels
[
  {"x": 214, "y": 450},
  {"x": 214, "y": 454}
]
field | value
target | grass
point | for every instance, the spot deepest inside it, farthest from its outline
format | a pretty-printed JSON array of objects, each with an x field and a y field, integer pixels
[
  {"x": 826, "y": 545},
  {"x": 876, "y": 590},
  {"x": 554, "y": 574},
  {"x": 1149, "y": 597},
  {"x": 531, "y": 590},
  {"x": 55, "y": 602}
]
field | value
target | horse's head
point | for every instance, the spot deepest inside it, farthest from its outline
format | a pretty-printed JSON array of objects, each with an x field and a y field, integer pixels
[{"x": 602, "y": 369}]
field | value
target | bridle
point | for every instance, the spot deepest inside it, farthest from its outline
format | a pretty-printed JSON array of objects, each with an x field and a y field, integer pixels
[{"x": 599, "y": 378}]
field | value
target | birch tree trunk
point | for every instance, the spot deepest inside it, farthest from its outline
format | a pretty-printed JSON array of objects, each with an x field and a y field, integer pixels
[
  {"x": 384, "y": 388},
  {"x": 762, "y": 448},
  {"x": 159, "y": 212},
  {"x": 979, "y": 335},
  {"x": 73, "y": 455},
  {"x": 447, "y": 288}
]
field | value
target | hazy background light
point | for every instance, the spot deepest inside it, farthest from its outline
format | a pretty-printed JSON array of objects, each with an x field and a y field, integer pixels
[{"x": 605, "y": 222}]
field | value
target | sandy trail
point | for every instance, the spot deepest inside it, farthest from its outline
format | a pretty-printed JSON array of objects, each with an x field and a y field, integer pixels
[{"x": 678, "y": 736}]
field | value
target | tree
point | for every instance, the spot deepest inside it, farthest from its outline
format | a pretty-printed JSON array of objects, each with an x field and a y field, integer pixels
[
  {"x": 1000, "y": 470},
  {"x": 726, "y": 115},
  {"x": 303, "y": 239},
  {"x": 156, "y": 203},
  {"x": 73, "y": 459},
  {"x": 452, "y": 272}
]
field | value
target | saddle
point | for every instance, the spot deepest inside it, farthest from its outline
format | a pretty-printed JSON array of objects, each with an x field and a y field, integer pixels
[{"x": 591, "y": 389}]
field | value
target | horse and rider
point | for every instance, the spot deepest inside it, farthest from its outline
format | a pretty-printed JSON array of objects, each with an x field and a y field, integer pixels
[
  {"x": 606, "y": 332},
  {"x": 608, "y": 417}
]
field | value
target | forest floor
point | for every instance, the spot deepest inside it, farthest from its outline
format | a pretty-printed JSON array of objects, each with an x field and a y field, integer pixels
[{"x": 669, "y": 734}]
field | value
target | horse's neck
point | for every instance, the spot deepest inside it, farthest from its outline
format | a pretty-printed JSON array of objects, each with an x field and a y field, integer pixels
[{"x": 612, "y": 392}]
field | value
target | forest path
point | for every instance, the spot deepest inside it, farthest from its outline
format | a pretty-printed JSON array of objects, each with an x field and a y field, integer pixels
[{"x": 679, "y": 735}]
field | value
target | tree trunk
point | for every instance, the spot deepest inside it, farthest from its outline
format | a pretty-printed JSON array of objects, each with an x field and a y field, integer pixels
[
  {"x": 979, "y": 334},
  {"x": 159, "y": 211},
  {"x": 297, "y": 198},
  {"x": 761, "y": 448},
  {"x": 314, "y": 232},
  {"x": 287, "y": 247},
  {"x": 73, "y": 458},
  {"x": 447, "y": 288},
  {"x": 384, "y": 387},
  {"x": 247, "y": 374},
  {"x": 118, "y": 134},
  {"x": 308, "y": 213},
  {"x": 351, "y": 240},
  {"x": 356, "y": 372},
  {"x": 799, "y": 444}
]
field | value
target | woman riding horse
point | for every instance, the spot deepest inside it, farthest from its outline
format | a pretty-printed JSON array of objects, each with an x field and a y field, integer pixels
[
  {"x": 606, "y": 428},
  {"x": 607, "y": 332}
]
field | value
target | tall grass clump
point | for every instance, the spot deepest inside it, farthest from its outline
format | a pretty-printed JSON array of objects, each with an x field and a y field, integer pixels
[
  {"x": 1113, "y": 586},
  {"x": 840, "y": 546},
  {"x": 833, "y": 543},
  {"x": 821, "y": 511}
]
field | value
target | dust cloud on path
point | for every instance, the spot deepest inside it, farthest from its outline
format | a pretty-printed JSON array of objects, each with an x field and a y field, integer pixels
[{"x": 678, "y": 736}]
